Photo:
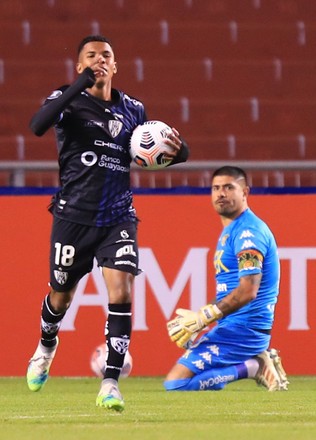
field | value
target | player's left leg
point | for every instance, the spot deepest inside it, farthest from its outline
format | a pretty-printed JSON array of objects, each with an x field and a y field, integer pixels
[
  {"x": 117, "y": 254},
  {"x": 118, "y": 333}
]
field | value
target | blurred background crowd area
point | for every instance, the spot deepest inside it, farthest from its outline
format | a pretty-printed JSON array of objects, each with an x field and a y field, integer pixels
[{"x": 237, "y": 78}]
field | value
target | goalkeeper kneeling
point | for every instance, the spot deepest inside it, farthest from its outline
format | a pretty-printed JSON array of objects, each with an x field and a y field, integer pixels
[{"x": 247, "y": 276}]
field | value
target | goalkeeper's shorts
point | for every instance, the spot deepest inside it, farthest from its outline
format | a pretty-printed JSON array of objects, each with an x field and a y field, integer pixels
[{"x": 224, "y": 346}]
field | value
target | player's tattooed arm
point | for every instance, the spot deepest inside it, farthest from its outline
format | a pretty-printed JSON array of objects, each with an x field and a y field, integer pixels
[{"x": 245, "y": 292}]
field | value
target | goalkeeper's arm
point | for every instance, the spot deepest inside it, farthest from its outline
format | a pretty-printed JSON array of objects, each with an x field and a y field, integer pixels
[
  {"x": 188, "y": 324},
  {"x": 243, "y": 294}
]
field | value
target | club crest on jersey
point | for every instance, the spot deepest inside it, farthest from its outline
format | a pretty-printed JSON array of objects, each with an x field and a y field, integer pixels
[
  {"x": 61, "y": 277},
  {"x": 115, "y": 127}
]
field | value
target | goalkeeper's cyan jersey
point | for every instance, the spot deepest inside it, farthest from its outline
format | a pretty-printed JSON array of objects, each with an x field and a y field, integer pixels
[{"x": 247, "y": 246}]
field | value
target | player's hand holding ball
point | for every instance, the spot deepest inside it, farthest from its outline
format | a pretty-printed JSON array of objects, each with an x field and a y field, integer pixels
[{"x": 173, "y": 143}]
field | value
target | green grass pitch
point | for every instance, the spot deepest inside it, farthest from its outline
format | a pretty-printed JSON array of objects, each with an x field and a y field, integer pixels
[{"x": 65, "y": 409}]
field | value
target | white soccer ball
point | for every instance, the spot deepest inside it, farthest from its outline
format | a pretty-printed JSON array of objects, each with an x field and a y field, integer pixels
[
  {"x": 147, "y": 145},
  {"x": 98, "y": 361}
]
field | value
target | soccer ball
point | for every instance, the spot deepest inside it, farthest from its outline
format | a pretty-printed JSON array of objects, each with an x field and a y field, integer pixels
[
  {"x": 99, "y": 357},
  {"x": 147, "y": 145}
]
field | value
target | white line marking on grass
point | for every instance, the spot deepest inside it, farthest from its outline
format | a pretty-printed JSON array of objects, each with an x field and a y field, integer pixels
[{"x": 48, "y": 417}]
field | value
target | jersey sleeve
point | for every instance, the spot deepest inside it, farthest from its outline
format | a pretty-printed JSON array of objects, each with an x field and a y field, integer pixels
[
  {"x": 250, "y": 247},
  {"x": 50, "y": 112}
]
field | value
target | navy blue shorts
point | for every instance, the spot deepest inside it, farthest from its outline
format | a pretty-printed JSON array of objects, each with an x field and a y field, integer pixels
[{"x": 74, "y": 247}]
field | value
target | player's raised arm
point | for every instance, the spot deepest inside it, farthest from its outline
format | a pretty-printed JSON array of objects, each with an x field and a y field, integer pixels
[{"x": 49, "y": 113}]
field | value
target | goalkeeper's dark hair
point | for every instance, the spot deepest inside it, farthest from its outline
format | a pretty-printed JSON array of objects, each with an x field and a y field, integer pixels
[
  {"x": 91, "y": 38},
  {"x": 235, "y": 172}
]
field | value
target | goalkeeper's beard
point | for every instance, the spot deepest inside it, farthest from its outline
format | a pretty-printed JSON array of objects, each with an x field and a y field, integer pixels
[{"x": 225, "y": 209}]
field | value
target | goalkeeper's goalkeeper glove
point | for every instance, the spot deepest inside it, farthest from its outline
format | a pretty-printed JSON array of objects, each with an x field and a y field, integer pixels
[{"x": 188, "y": 324}]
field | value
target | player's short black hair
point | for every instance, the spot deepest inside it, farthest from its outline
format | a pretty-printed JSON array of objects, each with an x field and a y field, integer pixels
[
  {"x": 235, "y": 172},
  {"x": 90, "y": 38}
]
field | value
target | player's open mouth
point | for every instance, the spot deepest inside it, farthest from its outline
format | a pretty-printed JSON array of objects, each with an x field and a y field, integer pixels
[{"x": 101, "y": 72}]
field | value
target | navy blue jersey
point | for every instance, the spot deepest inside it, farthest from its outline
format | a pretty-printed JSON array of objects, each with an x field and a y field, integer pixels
[{"x": 93, "y": 148}]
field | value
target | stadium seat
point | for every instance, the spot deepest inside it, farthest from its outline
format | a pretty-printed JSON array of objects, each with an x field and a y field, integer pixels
[
  {"x": 5, "y": 178},
  {"x": 264, "y": 11},
  {"x": 11, "y": 147},
  {"x": 184, "y": 10},
  {"x": 41, "y": 148},
  {"x": 298, "y": 79},
  {"x": 16, "y": 115},
  {"x": 29, "y": 147},
  {"x": 215, "y": 78},
  {"x": 282, "y": 178},
  {"x": 166, "y": 40},
  {"x": 241, "y": 40},
  {"x": 263, "y": 78},
  {"x": 203, "y": 78},
  {"x": 238, "y": 116},
  {"x": 288, "y": 41},
  {"x": 40, "y": 46},
  {"x": 253, "y": 117},
  {"x": 270, "y": 148},
  {"x": 237, "y": 79},
  {"x": 204, "y": 147},
  {"x": 39, "y": 80},
  {"x": 15, "y": 9},
  {"x": 309, "y": 145},
  {"x": 41, "y": 179}
]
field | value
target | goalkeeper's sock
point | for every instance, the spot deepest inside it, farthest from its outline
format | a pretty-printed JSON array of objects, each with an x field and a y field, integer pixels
[
  {"x": 252, "y": 366},
  {"x": 243, "y": 372},
  {"x": 214, "y": 379},
  {"x": 118, "y": 331}
]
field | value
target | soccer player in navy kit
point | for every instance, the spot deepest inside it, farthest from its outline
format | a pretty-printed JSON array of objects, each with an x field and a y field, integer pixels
[
  {"x": 247, "y": 279},
  {"x": 93, "y": 213}
]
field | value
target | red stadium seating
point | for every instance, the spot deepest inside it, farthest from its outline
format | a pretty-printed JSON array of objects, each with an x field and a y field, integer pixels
[
  {"x": 218, "y": 117},
  {"x": 29, "y": 147},
  {"x": 237, "y": 78},
  {"x": 214, "y": 78},
  {"x": 274, "y": 148}
]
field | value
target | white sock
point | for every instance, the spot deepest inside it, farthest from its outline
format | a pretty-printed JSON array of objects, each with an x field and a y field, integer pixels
[{"x": 252, "y": 367}]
